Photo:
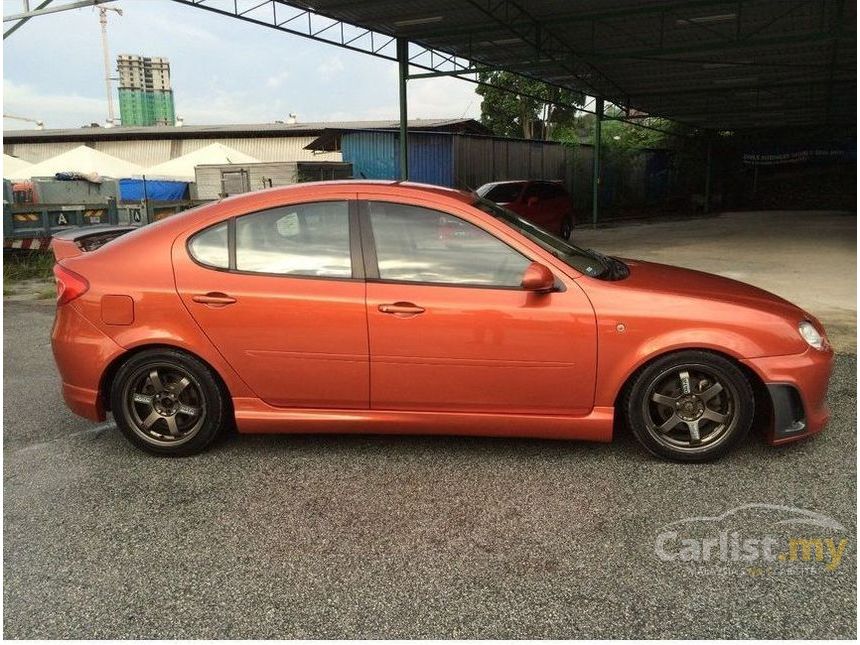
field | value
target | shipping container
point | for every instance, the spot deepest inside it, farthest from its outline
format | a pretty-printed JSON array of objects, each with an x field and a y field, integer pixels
[{"x": 220, "y": 180}]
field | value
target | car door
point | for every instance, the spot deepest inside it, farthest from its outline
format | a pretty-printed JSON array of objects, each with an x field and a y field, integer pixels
[
  {"x": 281, "y": 294},
  {"x": 451, "y": 329}
]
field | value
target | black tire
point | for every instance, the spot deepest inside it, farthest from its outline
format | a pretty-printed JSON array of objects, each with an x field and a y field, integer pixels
[
  {"x": 177, "y": 413},
  {"x": 567, "y": 228},
  {"x": 714, "y": 419}
]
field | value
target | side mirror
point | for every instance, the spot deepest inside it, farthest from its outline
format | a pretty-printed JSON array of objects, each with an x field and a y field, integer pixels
[
  {"x": 538, "y": 278},
  {"x": 532, "y": 201}
]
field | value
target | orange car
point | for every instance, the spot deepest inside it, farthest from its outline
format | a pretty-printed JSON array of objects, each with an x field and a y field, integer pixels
[{"x": 356, "y": 307}]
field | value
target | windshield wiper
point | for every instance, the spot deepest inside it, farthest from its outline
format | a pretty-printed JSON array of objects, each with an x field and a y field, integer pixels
[{"x": 615, "y": 268}]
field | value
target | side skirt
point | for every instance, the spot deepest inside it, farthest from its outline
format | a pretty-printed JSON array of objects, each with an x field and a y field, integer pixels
[{"x": 255, "y": 416}]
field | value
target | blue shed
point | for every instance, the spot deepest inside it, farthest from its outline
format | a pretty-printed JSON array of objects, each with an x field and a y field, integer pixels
[{"x": 455, "y": 160}]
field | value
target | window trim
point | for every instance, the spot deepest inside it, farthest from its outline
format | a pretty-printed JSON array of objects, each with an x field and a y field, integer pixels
[
  {"x": 356, "y": 259},
  {"x": 371, "y": 261}
]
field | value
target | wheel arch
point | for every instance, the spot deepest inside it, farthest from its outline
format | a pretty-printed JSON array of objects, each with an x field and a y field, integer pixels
[
  {"x": 763, "y": 405},
  {"x": 109, "y": 374}
]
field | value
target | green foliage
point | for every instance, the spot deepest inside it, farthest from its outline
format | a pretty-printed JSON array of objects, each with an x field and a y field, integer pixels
[{"x": 523, "y": 108}]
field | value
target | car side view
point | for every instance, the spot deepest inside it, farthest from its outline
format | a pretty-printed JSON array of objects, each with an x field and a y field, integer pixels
[
  {"x": 545, "y": 203},
  {"x": 389, "y": 307}
]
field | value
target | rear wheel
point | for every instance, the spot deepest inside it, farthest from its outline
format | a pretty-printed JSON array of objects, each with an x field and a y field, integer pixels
[
  {"x": 168, "y": 403},
  {"x": 691, "y": 406}
]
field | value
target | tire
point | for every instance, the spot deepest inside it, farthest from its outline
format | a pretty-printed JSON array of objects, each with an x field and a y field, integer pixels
[
  {"x": 567, "y": 228},
  {"x": 691, "y": 406},
  {"x": 167, "y": 402}
]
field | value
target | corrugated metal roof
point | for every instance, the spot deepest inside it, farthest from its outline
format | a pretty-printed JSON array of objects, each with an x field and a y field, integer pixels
[
  {"x": 719, "y": 64},
  {"x": 234, "y": 130}
]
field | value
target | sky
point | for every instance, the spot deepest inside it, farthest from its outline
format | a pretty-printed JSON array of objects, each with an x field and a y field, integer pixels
[{"x": 222, "y": 70}]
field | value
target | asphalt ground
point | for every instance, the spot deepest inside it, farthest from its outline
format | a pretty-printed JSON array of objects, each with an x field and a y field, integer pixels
[{"x": 369, "y": 536}]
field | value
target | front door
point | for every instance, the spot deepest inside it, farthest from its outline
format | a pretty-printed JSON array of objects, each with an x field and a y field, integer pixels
[
  {"x": 452, "y": 330},
  {"x": 275, "y": 292}
]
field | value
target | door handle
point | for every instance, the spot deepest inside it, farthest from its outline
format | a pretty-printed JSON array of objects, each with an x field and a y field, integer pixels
[
  {"x": 214, "y": 298},
  {"x": 402, "y": 308}
]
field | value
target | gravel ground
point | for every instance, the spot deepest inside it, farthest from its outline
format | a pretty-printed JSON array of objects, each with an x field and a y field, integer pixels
[{"x": 327, "y": 536}]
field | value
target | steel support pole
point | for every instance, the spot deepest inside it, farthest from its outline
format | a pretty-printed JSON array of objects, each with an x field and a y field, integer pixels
[
  {"x": 403, "y": 64},
  {"x": 707, "y": 205},
  {"x": 595, "y": 180}
]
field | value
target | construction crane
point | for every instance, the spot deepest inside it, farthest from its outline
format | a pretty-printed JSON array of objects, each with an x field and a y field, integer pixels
[
  {"x": 106, "y": 53},
  {"x": 40, "y": 125}
]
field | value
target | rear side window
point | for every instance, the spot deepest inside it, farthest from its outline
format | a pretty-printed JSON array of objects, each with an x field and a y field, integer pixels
[
  {"x": 302, "y": 240},
  {"x": 209, "y": 247},
  {"x": 545, "y": 190},
  {"x": 305, "y": 239},
  {"x": 504, "y": 193}
]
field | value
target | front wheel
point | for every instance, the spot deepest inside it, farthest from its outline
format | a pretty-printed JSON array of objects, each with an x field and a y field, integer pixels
[
  {"x": 690, "y": 406},
  {"x": 168, "y": 403}
]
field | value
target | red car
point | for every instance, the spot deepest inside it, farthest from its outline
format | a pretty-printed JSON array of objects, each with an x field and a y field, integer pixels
[
  {"x": 545, "y": 203},
  {"x": 339, "y": 307}
]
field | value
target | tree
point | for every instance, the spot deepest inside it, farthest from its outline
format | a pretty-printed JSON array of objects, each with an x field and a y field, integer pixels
[{"x": 515, "y": 106}]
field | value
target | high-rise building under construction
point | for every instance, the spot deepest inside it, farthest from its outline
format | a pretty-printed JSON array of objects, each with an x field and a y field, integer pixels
[{"x": 145, "y": 96}]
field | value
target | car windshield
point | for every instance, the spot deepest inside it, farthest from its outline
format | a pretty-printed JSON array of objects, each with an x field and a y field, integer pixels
[
  {"x": 586, "y": 261},
  {"x": 507, "y": 192}
]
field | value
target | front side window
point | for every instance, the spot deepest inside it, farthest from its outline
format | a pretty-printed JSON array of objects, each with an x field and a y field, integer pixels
[{"x": 415, "y": 244}]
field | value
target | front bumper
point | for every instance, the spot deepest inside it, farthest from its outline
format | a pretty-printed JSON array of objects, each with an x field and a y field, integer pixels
[{"x": 797, "y": 385}]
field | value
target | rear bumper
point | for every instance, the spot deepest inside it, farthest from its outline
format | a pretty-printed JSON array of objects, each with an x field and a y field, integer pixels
[
  {"x": 797, "y": 385},
  {"x": 82, "y": 353}
]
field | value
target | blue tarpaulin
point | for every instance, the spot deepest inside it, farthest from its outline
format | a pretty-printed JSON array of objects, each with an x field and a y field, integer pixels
[{"x": 155, "y": 190}]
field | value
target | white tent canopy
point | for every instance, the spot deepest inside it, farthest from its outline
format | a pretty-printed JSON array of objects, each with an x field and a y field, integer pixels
[
  {"x": 14, "y": 168},
  {"x": 182, "y": 168},
  {"x": 86, "y": 161}
]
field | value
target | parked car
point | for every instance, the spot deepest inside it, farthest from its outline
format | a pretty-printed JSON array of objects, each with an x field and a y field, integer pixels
[
  {"x": 339, "y": 307},
  {"x": 545, "y": 203}
]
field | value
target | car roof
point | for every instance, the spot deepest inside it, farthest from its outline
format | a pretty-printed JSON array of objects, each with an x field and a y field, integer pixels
[{"x": 392, "y": 187}]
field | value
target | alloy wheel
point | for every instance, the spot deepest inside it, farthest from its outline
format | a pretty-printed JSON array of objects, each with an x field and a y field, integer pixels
[
  {"x": 164, "y": 404},
  {"x": 690, "y": 408}
]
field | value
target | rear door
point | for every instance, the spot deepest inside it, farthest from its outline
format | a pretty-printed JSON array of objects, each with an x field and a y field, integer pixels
[
  {"x": 281, "y": 294},
  {"x": 452, "y": 330}
]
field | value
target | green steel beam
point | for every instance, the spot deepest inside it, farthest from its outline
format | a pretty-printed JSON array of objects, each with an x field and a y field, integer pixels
[
  {"x": 595, "y": 161},
  {"x": 23, "y": 21},
  {"x": 403, "y": 74},
  {"x": 707, "y": 205}
]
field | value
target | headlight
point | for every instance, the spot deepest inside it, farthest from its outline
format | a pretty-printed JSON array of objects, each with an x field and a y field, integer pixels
[{"x": 810, "y": 334}]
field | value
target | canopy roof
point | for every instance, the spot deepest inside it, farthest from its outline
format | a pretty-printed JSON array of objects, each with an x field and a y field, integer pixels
[
  {"x": 86, "y": 161},
  {"x": 182, "y": 168},
  {"x": 15, "y": 168},
  {"x": 715, "y": 64}
]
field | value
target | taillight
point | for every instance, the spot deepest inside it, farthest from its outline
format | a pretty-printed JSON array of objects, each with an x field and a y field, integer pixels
[{"x": 70, "y": 285}]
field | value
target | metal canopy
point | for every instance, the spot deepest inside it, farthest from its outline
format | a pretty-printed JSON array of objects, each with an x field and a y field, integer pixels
[{"x": 721, "y": 65}]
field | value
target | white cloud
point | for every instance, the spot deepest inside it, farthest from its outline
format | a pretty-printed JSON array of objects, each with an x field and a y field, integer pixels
[
  {"x": 277, "y": 79},
  {"x": 56, "y": 110},
  {"x": 330, "y": 67}
]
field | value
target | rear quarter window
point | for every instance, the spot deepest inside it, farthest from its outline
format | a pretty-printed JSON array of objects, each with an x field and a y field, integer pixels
[{"x": 209, "y": 246}]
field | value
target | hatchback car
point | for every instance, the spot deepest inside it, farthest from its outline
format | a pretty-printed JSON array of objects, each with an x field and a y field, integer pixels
[
  {"x": 402, "y": 308},
  {"x": 545, "y": 203}
]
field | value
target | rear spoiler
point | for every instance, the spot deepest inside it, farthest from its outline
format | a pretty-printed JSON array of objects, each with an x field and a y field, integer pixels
[{"x": 75, "y": 241}]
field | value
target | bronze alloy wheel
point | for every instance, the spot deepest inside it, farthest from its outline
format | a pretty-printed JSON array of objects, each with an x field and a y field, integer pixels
[{"x": 164, "y": 404}]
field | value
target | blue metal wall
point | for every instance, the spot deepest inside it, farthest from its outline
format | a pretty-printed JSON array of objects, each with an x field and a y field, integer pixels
[{"x": 374, "y": 155}]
